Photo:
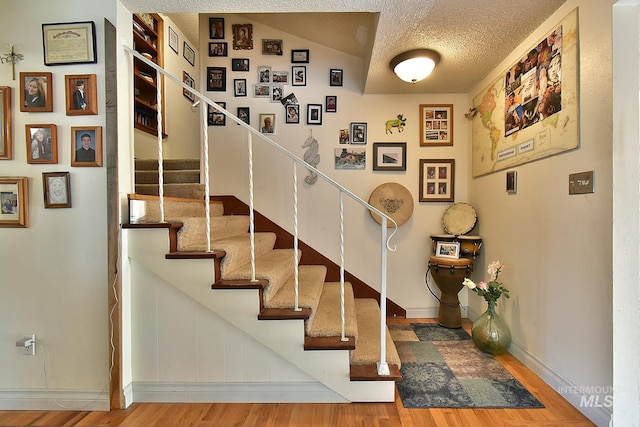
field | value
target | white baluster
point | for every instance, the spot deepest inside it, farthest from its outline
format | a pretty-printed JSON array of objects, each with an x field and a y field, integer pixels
[
  {"x": 205, "y": 148},
  {"x": 251, "y": 215},
  {"x": 160, "y": 157},
  {"x": 295, "y": 239},
  {"x": 343, "y": 336},
  {"x": 383, "y": 367}
]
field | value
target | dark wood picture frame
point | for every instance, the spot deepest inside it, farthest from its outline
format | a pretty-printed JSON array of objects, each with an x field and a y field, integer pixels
[
  {"x": 86, "y": 158},
  {"x": 76, "y": 46},
  {"x": 437, "y": 180},
  {"x": 14, "y": 201},
  {"x": 436, "y": 125},
  {"x": 218, "y": 49},
  {"x": 40, "y": 82},
  {"x": 56, "y": 187},
  {"x": 6, "y": 137},
  {"x": 81, "y": 102},
  {"x": 299, "y": 56},
  {"x": 244, "y": 114},
  {"x": 173, "y": 40},
  {"x": 335, "y": 77},
  {"x": 42, "y": 144},
  {"x": 272, "y": 47},
  {"x": 189, "y": 81},
  {"x": 240, "y": 64},
  {"x": 216, "y": 79},
  {"x": 242, "y": 36},
  {"x": 389, "y": 156},
  {"x": 216, "y": 28}
]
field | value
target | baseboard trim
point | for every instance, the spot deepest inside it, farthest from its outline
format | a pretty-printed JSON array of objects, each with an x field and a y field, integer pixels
[
  {"x": 53, "y": 400},
  {"x": 234, "y": 393}
]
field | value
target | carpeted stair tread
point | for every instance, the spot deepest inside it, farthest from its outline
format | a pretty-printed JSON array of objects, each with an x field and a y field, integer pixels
[
  {"x": 168, "y": 176},
  {"x": 238, "y": 249},
  {"x": 187, "y": 191},
  {"x": 167, "y": 164},
  {"x": 276, "y": 266},
  {"x": 192, "y": 235},
  {"x": 177, "y": 209},
  {"x": 326, "y": 321},
  {"x": 367, "y": 349},
  {"x": 310, "y": 282}
]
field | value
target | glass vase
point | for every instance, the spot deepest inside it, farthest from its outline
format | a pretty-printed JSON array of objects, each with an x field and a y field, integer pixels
[{"x": 490, "y": 333}]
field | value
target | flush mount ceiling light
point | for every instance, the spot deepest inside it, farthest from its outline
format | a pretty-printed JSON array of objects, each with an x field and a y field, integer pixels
[{"x": 415, "y": 65}]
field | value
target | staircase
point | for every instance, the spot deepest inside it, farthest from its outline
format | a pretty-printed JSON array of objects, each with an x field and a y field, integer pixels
[
  {"x": 181, "y": 178},
  {"x": 175, "y": 251}
]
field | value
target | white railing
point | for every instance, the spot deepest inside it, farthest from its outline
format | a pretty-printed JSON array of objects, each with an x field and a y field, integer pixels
[{"x": 383, "y": 367}]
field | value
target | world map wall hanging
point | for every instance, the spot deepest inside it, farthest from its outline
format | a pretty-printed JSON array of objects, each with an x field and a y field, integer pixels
[{"x": 530, "y": 111}]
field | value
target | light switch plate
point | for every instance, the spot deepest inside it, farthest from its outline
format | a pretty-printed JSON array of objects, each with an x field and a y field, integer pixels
[{"x": 581, "y": 183}]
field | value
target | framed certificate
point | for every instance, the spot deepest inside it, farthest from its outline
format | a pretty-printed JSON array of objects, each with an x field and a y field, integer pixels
[{"x": 69, "y": 43}]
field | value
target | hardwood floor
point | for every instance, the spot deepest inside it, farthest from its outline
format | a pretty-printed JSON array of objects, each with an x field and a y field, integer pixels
[{"x": 557, "y": 411}]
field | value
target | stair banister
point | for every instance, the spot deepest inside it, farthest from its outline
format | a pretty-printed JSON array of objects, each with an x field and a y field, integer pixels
[{"x": 383, "y": 368}]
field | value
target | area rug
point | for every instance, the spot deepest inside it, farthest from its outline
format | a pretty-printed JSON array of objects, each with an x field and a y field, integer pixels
[{"x": 441, "y": 368}]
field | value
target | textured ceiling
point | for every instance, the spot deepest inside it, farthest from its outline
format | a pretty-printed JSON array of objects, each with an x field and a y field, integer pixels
[{"x": 472, "y": 36}]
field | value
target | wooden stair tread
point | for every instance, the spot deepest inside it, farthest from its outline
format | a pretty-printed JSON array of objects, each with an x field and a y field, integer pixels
[
  {"x": 240, "y": 284},
  {"x": 329, "y": 343},
  {"x": 284, "y": 314},
  {"x": 370, "y": 373},
  {"x": 195, "y": 255}
]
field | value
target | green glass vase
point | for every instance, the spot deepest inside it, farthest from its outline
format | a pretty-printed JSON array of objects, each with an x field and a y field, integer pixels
[{"x": 490, "y": 333}]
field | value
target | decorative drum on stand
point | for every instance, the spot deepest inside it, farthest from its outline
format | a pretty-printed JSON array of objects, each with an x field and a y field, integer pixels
[
  {"x": 470, "y": 246},
  {"x": 448, "y": 273}
]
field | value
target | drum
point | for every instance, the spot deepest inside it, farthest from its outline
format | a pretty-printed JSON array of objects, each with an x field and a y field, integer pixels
[
  {"x": 460, "y": 218},
  {"x": 435, "y": 238},
  {"x": 394, "y": 200},
  {"x": 448, "y": 275},
  {"x": 470, "y": 246}
]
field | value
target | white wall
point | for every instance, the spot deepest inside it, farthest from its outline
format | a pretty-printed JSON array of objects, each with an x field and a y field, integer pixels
[
  {"x": 557, "y": 247},
  {"x": 54, "y": 273},
  {"x": 182, "y": 123}
]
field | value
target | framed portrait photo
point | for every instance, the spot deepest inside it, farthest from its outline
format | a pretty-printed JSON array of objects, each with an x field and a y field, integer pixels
[
  {"x": 57, "y": 189},
  {"x": 239, "y": 87},
  {"x": 240, "y": 64},
  {"x": 242, "y": 36},
  {"x": 437, "y": 180},
  {"x": 299, "y": 75},
  {"x": 299, "y": 56},
  {"x": 272, "y": 47},
  {"x": 188, "y": 53},
  {"x": 14, "y": 201},
  {"x": 35, "y": 92},
  {"x": 69, "y": 43},
  {"x": 42, "y": 144},
  {"x": 264, "y": 74},
  {"x": 331, "y": 103},
  {"x": 189, "y": 81},
  {"x": 358, "y": 133},
  {"x": 216, "y": 117},
  {"x": 314, "y": 114},
  {"x": 216, "y": 79},
  {"x": 216, "y": 28},
  {"x": 292, "y": 113},
  {"x": 389, "y": 156},
  {"x": 335, "y": 77},
  {"x": 6, "y": 138},
  {"x": 244, "y": 114},
  {"x": 86, "y": 146},
  {"x": 218, "y": 49},
  {"x": 81, "y": 94},
  {"x": 436, "y": 125},
  {"x": 268, "y": 123}
]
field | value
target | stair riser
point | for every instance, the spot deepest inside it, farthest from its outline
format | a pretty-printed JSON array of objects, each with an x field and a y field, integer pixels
[
  {"x": 167, "y": 164},
  {"x": 169, "y": 177}
]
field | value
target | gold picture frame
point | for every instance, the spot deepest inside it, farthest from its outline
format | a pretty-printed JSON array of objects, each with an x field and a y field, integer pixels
[
  {"x": 6, "y": 141},
  {"x": 57, "y": 189},
  {"x": 436, "y": 125},
  {"x": 81, "y": 94},
  {"x": 42, "y": 144},
  {"x": 86, "y": 146},
  {"x": 14, "y": 201},
  {"x": 437, "y": 180}
]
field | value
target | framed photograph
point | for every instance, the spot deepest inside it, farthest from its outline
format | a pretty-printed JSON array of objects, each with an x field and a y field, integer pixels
[
  {"x": 299, "y": 75},
  {"x": 277, "y": 93},
  {"x": 436, "y": 125},
  {"x": 299, "y": 56},
  {"x": 240, "y": 64},
  {"x": 335, "y": 77},
  {"x": 437, "y": 180},
  {"x": 242, "y": 36},
  {"x": 57, "y": 189},
  {"x": 244, "y": 115},
  {"x": 272, "y": 47},
  {"x": 14, "y": 201},
  {"x": 350, "y": 158},
  {"x": 512, "y": 182},
  {"x": 268, "y": 123},
  {"x": 331, "y": 104},
  {"x": 216, "y": 117},
  {"x": 188, "y": 53},
  {"x": 314, "y": 114},
  {"x": 188, "y": 80},
  {"x": 6, "y": 141},
  {"x": 81, "y": 94},
  {"x": 218, "y": 49},
  {"x": 293, "y": 113},
  {"x": 239, "y": 87},
  {"x": 261, "y": 91},
  {"x": 280, "y": 77},
  {"x": 448, "y": 250},
  {"x": 35, "y": 92},
  {"x": 264, "y": 74},
  {"x": 358, "y": 132},
  {"x": 216, "y": 28},
  {"x": 389, "y": 156},
  {"x": 42, "y": 144},
  {"x": 344, "y": 136},
  {"x": 289, "y": 99},
  {"x": 86, "y": 146},
  {"x": 173, "y": 40},
  {"x": 69, "y": 43},
  {"x": 216, "y": 79}
]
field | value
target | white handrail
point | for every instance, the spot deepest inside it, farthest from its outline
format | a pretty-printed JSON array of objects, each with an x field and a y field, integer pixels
[{"x": 383, "y": 368}]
